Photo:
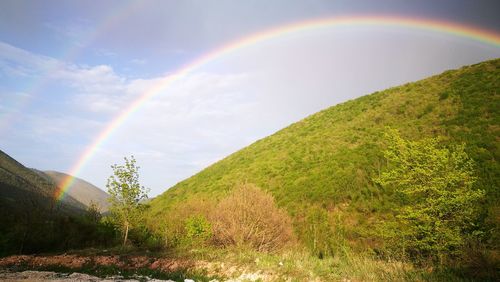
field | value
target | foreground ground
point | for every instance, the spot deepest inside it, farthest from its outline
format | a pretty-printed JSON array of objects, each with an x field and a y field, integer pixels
[
  {"x": 217, "y": 265},
  {"x": 74, "y": 267},
  {"x": 36, "y": 276}
]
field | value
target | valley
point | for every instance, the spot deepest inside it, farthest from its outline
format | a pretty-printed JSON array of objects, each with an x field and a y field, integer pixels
[{"x": 352, "y": 193}]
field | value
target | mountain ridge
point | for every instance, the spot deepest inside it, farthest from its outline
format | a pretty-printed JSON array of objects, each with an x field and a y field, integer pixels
[
  {"x": 35, "y": 187},
  {"x": 20, "y": 184},
  {"x": 82, "y": 190}
]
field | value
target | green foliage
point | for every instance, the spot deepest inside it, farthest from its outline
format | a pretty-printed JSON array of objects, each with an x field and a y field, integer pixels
[
  {"x": 319, "y": 232},
  {"x": 440, "y": 208},
  {"x": 171, "y": 226},
  {"x": 43, "y": 232},
  {"x": 126, "y": 195},
  {"x": 329, "y": 159},
  {"x": 322, "y": 232},
  {"x": 198, "y": 229},
  {"x": 32, "y": 220},
  {"x": 144, "y": 238},
  {"x": 93, "y": 212}
]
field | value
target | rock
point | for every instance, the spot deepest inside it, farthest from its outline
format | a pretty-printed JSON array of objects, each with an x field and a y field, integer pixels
[
  {"x": 83, "y": 277},
  {"x": 42, "y": 276}
]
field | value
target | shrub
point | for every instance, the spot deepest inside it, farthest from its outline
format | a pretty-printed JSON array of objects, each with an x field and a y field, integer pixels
[
  {"x": 249, "y": 217},
  {"x": 174, "y": 224},
  {"x": 198, "y": 229}
]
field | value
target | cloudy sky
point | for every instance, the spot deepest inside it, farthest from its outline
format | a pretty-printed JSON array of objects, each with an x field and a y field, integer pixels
[{"x": 68, "y": 68}]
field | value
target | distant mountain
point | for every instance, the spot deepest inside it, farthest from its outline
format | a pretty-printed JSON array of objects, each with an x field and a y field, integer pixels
[
  {"x": 32, "y": 220},
  {"x": 328, "y": 160},
  {"x": 82, "y": 191},
  {"x": 22, "y": 189}
]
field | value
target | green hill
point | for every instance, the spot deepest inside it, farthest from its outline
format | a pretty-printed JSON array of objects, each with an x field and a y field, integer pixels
[
  {"x": 328, "y": 160},
  {"x": 82, "y": 191},
  {"x": 32, "y": 220},
  {"x": 22, "y": 188}
]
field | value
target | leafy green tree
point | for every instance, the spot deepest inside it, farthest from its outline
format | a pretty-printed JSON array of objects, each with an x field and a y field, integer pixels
[
  {"x": 126, "y": 194},
  {"x": 440, "y": 207}
]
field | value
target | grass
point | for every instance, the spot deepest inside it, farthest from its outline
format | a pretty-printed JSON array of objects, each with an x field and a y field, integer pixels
[
  {"x": 300, "y": 265},
  {"x": 329, "y": 159},
  {"x": 327, "y": 162},
  {"x": 288, "y": 265},
  {"x": 291, "y": 264}
]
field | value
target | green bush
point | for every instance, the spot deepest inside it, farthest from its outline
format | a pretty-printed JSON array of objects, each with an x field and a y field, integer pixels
[
  {"x": 440, "y": 210},
  {"x": 198, "y": 230}
]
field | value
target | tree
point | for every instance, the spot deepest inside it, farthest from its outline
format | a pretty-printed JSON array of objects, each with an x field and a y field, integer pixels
[
  {"x": 126, "y": 194},
  {"x": 93, "y": 212},
  {"x": 440, "y": 207}
]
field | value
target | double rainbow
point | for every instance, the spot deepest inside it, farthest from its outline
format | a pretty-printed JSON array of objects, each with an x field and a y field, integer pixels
[
  {"x": 106, "y": 25},
  {"x": 470, "y": 32}
]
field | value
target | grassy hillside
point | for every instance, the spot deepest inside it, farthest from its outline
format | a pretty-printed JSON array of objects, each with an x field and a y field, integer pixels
[
  {"x": 82, "y": 191},
  {"x": 328, "y": 160},
  {"x": 24, "y": 188},
  {"x": 31, "y": 220}
]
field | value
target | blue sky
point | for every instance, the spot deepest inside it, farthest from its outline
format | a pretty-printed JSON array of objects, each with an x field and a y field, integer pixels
[{"x": 68, "y": 67}]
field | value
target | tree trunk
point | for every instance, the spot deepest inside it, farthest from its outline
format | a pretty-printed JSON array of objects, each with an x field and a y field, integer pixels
[{"x": 126, "y": 234}]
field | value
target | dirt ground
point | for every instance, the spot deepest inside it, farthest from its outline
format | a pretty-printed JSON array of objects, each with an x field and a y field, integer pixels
[
  {"x": 76, "y": 262},
  {"x": 36, "y": 276},
  {"x": 30, "y": 268}
]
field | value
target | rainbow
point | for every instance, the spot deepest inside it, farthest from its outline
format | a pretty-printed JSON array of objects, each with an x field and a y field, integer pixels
[
  {"x": 446, "y": 27},
  {"x": 104, "y": 26}
]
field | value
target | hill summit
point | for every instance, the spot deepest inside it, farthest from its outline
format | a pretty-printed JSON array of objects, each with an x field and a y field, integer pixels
[{"x": 328, "y": 160}]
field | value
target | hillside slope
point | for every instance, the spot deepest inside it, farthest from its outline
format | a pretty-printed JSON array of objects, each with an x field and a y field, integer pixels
[
  {"x": 32, "y": 220},
  {"x": 82, "y": 191},
  {"x": 328, "y": 159},
  {"x": 22, "y": 188}
]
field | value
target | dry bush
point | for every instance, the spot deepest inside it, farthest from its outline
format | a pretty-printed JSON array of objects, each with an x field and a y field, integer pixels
[{"x": 249, "y": 217}]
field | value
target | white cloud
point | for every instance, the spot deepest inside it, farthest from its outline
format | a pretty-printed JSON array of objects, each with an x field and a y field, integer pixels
[
  {"x": 231, "y": 102},
  {"x": 171, "y": 130},
  {"x": 15, "y": 61},
  {"x": 95, "y": 88}
]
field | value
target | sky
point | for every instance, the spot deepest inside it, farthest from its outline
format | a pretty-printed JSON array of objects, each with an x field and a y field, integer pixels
[{"x": 69, "y": 68}]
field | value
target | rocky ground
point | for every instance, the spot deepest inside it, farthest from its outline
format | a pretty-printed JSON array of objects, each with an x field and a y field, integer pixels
[
  {"x": 35, "y": 276},
  {"x": 116, "y": 268}
]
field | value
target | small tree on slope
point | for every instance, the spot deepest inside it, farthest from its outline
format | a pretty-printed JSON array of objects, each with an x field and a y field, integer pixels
[
  {"x": 126, "y": 194},
  {"x": 440, "y": 207}
]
